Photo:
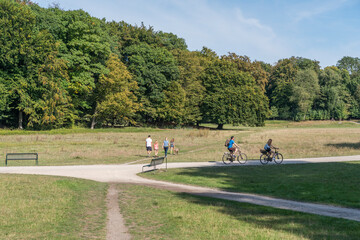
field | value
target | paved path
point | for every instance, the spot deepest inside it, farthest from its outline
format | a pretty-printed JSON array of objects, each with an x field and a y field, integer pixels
[{"x": 127, "y": 174}]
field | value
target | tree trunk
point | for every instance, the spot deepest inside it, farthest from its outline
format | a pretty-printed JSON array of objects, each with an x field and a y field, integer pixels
[
  {"x": 20, "y": 119},
  {"x": 93, "y": 122},
  {"x": 220, "y": 126}
]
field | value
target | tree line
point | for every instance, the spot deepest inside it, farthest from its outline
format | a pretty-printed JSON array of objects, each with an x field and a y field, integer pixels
[{"x": 66, "y": 68}]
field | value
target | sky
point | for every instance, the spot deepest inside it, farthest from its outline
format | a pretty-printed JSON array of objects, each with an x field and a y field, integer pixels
[{"x": 264, "y": 30}]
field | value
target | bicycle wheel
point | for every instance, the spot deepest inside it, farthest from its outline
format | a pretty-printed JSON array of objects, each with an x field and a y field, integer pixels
[
  {"x": 264, "y": 159},
  {"x": 241, "y": 158},
  {"x": 278, "y": 158},
  {"x": 226, "y": 158}
]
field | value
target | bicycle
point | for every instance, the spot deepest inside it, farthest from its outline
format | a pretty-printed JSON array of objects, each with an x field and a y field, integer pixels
[
  {"x": 265, "y": 157},
  {"x": 228, "y": 157}
]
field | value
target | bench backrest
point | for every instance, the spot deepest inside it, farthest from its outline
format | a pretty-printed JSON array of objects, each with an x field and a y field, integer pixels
[
  {"x": 157, "y": 161},
  {"x": 21, "y": 156}
]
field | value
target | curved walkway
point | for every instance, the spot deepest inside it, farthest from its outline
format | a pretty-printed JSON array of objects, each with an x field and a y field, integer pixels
[{"x": 127, "y": 174}]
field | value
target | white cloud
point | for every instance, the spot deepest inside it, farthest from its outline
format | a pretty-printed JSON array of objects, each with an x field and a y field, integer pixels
[
  {"x": 314, "y": 9},
  {"x": 202, "y": 24}
]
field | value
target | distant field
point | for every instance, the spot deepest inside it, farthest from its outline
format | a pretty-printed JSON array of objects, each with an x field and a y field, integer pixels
[
  {"x": 151, "y": 213},
  {"x": 120, "y": 145},
  {"x": 42, "y": 207}
]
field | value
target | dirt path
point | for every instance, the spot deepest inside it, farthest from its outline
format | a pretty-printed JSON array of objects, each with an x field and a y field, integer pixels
[
  {"x": 116, "y": 229},
  {"x": 124, "y": 173}
]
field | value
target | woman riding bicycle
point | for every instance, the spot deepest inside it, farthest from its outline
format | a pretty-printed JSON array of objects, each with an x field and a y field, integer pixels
[{"x": 268, "y": 146}]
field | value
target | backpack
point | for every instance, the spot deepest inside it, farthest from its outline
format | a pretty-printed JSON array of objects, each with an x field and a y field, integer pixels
[{"x": 227, "y": 142}]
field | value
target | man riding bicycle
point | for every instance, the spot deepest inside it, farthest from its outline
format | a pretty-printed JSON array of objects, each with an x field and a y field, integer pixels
[{"x": 231, "y": 147}]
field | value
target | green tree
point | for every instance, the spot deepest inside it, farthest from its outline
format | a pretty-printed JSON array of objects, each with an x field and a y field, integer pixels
[
  {"x": 232, "y": 96},
  {"x": 335, "y": 97},
  {"x": 190, "y": 68},
  {"x": 255, "y": 68},
  {"x": 172, "y": 109},
  {"x": 304, "y": 90},
  {"x": 280, "y": 86},
  {"x": 154, "y": 70},
  {"x": 53, "y": 109},
  {"x": 85, "y": 45},
  {"x": 116, "y": 102},
  {"x": 351, "y": 64},
  {"x": 24, "y": 50},
  {"x": 274, "y": 113},
  {"x": 16, "y": 31}
]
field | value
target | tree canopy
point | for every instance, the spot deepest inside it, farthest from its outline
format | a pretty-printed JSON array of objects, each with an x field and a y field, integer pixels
[{"x": 63, "y": 68}]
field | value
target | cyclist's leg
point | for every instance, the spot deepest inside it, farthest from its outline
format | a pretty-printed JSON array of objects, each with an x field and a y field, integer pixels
[{"x": 232, "y": 150}]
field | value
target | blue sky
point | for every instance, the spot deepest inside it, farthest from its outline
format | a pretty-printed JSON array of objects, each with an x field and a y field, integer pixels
[{"x": 266, "y": 30}]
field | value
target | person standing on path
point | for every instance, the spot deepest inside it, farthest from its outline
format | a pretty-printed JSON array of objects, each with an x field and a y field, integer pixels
[
  {"x": 165, "y": 146},
  {"x": 148, "y": 145}
]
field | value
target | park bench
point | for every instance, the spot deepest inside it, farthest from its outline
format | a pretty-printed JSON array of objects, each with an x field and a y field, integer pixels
[
  {"x": 154, "y": 162},
  {"x": 21, "y": 156}
]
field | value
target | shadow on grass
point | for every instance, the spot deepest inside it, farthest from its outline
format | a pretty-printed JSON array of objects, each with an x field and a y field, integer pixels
[
  {"x": 301, "y": 224},
  {"x": 228, "y": 128},
  {"x": 345, "y": 145},
  {"x": 326, "y": 183}
]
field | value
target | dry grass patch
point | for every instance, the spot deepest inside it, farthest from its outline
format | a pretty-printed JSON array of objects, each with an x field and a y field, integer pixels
[
  {"x": 307, "y": 139},
  {"x": 307, "y": 142}
]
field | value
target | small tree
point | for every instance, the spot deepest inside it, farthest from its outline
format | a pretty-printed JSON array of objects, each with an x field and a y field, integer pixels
[{"x": 274, "y": 113}]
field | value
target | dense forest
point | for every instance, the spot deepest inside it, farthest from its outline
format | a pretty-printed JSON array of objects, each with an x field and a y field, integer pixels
[{"x": 66, "y": 68}]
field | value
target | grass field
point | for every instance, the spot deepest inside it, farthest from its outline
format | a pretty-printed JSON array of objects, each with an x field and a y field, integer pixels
[
  {"x": 39, "y": 207},
  {"x": 42, "y": 207},
  {"x": 109, "y": 146},
  {"x": 157, "y": 214}
]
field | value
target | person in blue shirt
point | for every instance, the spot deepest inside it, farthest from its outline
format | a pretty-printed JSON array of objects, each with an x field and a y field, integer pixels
[
  {"x": 232, "y": 147},
  {"x": 166, "y": 146}
]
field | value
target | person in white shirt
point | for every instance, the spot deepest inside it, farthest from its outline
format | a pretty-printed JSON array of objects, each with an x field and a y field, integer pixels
[{"x": 149, "y": 145}]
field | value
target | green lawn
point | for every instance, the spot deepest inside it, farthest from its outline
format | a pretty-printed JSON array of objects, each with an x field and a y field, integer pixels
[
  {"x": 151, "y": 213},
  {"x": 329, "y": 183},
  {"x": 42, "y": 207}
]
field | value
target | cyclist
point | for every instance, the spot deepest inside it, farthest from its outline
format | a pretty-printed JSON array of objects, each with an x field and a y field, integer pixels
[
  {"x": 231, "y": 147},
  {"x": 268, "y": 146}
]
